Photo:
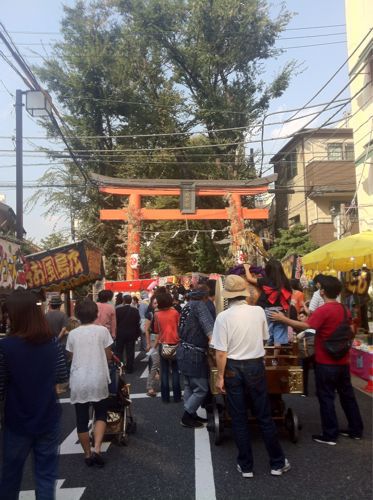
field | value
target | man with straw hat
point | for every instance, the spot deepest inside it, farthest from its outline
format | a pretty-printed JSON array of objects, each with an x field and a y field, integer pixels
[{"x": 238, "y": 337}]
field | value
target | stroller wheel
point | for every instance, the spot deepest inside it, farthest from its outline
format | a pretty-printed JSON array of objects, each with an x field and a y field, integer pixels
[
  {"x": 132, "y": 427},
  {"x": 121, "y": 440}
]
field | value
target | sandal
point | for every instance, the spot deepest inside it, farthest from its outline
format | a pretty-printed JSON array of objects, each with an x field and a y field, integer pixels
[{"x": 151, "y": 393}]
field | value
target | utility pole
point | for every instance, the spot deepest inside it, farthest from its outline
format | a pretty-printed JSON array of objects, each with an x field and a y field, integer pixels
[{"x": 19, "y": 166}]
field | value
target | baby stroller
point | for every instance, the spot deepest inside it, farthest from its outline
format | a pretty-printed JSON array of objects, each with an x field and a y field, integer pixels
[{"x": 120, "y": 421}]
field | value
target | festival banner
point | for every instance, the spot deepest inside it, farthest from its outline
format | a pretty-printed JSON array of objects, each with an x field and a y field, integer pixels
[
  {"x": 64, "y": 268},
  {"x": 12, "y": 262}
]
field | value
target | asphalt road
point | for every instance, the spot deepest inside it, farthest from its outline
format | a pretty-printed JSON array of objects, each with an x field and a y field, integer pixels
[{"x": 166, "y": 461}]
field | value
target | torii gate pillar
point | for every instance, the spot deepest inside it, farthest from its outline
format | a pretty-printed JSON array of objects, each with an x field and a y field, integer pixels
[{"x": 133, "y": 236}]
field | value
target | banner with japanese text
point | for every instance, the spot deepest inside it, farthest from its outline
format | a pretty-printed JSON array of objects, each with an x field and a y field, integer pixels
[{"x": 64, "y": 268}]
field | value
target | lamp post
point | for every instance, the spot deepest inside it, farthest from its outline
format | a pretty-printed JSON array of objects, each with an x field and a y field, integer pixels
[{"x": 38, "y": 104}]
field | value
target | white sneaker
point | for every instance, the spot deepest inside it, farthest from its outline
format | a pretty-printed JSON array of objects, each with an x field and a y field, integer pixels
[
  {"x": 285, "y": 468},
  {"x": 244, "y": 474}
]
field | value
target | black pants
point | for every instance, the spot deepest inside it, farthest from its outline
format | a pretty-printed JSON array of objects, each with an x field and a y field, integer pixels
[
  {"x": 331, "y": 379},
  {"x": 82, "y": 413},
  {"x": 126, "y": 352},
  {"x": 307, "y": 363}
]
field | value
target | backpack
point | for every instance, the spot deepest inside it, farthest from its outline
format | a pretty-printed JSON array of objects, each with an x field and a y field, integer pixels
[{"x": 340, "y": 341}]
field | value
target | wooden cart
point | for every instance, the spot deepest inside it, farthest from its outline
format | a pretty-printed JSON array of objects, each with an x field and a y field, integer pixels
[{"x": 284, "y": 376}]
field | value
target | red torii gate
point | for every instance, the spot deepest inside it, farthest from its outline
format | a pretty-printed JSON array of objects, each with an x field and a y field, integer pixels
[{"x": 188, "y": 190}]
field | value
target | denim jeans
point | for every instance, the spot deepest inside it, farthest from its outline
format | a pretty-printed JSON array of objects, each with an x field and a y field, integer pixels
[
  {"x": 16, "y": 448},
  {"x": 195, "y": 392},
  {"x": 165, "y": 376},
  {"x": 154, "y": 366},
  {"x": 242, "y": 379},
  {"x": 278, "y": 332},
  {"x": 331, "y": 378}
]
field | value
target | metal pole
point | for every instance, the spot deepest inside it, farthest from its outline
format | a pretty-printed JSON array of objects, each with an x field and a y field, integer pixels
[{"x": 19, "y": 166}]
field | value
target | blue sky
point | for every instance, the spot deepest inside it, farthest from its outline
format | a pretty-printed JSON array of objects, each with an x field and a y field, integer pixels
[{"x": 318, "y": 63}]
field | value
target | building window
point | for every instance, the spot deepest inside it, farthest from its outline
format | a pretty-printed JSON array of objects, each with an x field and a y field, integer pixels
[
  {"x": 291, "y": 164},
  {"x": 294, "y": 220},
  {"x": 341, "y": 151},
  {"x": 349, "y": 151},
  {"x": 335, "y": 151}
]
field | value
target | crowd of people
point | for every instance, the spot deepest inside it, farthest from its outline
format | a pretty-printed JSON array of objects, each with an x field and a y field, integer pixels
[{"x": 175, "y": 329}]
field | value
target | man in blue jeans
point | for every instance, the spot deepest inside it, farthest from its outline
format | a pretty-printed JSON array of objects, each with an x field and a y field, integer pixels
[
  {"x": 238, "y": 338},
  {"x": 195, "y": 328}
]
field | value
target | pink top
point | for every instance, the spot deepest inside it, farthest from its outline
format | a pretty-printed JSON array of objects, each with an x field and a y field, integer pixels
[{"x": 106, "y": 317}]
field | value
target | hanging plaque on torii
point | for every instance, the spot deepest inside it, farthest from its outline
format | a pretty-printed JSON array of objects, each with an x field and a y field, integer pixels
[{"x": 187, "y": 190}]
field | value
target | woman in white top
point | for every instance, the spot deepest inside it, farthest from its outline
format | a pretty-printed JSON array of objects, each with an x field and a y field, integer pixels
[{"x": 89, "y": 346}]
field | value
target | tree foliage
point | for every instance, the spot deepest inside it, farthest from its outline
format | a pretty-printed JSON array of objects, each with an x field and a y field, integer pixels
[
  {"x": 137, "y": 78},
  {"x": 295, "y": 240},
  {"x": 53, "y": 240}
]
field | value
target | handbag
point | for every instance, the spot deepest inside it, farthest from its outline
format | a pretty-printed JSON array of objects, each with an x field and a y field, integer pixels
[{"x": 168, "y": 351}]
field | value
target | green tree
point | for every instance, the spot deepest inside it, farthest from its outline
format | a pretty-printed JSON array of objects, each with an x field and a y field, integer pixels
[
  {"x": 132, "y": 74},
  {"x": 295, "y": 240},
  {"x": 53, "y": 240}
]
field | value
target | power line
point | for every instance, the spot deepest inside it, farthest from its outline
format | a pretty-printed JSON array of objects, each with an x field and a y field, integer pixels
[
  {"x": 170, "y": 134},
  {"x": 335, "y": 73},
  {"x": 40, "y": 56},
  {"x": 286, "y": 29},
  {"x": 42, "y": 44}
]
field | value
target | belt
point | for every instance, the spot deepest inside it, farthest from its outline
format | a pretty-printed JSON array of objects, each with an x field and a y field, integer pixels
[
  {"x": 249, "y": 361},
  {"x": 191, "y": 346}
]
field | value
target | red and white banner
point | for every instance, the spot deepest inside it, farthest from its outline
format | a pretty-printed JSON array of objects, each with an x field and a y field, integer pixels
[{"x": 134, "y": 260}]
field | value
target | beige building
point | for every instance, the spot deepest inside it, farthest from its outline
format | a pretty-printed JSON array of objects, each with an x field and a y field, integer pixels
[
  {"x": 359, "y": 25},
  {"x": 316, "y": 174}
]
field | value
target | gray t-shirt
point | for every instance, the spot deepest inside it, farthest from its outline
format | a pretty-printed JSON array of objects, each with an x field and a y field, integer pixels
[{"x": 56, "y": 320}]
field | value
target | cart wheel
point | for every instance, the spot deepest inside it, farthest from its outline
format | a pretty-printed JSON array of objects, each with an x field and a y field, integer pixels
[
  {"x": 292, "y": 425},
  {"x": 122, "y": 440},
  {"x": 131, "y": 427},
  {"x": 218, "y": 425}
]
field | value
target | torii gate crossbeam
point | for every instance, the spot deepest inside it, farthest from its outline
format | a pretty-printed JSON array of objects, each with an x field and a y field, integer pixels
[{"x": 136, "y": 188}]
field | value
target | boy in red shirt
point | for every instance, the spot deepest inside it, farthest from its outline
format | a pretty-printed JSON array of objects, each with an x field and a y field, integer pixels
[{"x": 330, "y": 374}]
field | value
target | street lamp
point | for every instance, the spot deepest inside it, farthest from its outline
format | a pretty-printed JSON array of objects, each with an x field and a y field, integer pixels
[{"x": 38, "y": 104}]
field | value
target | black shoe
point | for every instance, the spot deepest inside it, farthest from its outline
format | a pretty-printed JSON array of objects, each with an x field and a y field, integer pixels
[
  {"x": 188, "y": 420},
  {"x": 200, "y": 419},
  {"x": 89, "y": 461},
  {"x": 347, "y": 433},
  {"x": 98, "y": 460},
  {"x": 321, "y": 439}
]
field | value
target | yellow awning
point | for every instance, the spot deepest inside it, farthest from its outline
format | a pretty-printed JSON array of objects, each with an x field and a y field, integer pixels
[{"x": 342, "y": 255}]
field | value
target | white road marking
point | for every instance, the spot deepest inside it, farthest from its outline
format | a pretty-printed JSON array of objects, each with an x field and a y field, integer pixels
[
  {"x": 71, "y": 444},
  {"x": 145, "y": 373},
  {"x": 61, "y": 494},
  {"x": 204, "y": 473}
]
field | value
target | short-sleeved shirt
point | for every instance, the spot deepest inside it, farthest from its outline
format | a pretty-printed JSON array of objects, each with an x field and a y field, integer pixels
[
  {"x": 166, "y": 325},
  {"x": 106, "y": 317},
  {"x": 56, "y": 320},
  {"x": 316, "y": 301},
  {"x": 297, "y": 299},
  {"x": 240, "y": 331},
  {"x": 325, "y": 320},
  {"x": 89, "y": 375}
]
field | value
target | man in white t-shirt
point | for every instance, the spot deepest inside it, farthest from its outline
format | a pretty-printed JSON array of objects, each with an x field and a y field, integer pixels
[
  {"x": 317, "y": 300},
  {"x": 238, "y": 338}
]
